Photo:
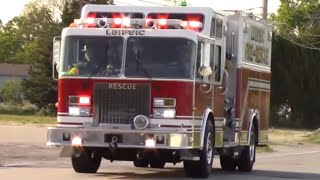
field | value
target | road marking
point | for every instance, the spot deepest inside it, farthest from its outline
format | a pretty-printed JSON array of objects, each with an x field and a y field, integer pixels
[
  {"x": 34, "y": 164},
  {"x": 292, "y": 154},
  {"x": 16, "y": 165}
]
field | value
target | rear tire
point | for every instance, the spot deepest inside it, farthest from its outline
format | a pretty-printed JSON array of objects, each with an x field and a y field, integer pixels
[
  {"x": 248, "y": 154},
  {"x": 141, "y": 163},
  {"x": 157, "y": 163},
  {"x": 86, "y": 161},
  {"x": 228, "y": 163},
  {"x": 203, "y": 167}
]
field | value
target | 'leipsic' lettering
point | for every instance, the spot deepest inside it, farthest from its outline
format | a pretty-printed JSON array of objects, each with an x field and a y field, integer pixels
[{"x": 119, "y": 32}]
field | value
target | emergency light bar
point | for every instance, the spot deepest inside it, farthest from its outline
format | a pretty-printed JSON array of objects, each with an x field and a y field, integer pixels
[{"x": 136, "y": 23}]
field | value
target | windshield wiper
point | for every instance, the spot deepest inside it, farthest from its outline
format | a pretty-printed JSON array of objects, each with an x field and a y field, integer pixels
[{"x": 138, "y": 60}]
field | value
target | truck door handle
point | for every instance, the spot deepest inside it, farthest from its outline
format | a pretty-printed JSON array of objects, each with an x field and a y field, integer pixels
[{"x": 226, "y": 82}]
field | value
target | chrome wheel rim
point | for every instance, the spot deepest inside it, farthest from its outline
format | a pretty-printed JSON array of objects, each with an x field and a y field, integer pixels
[
  {"x": 252, "y": 147},
  {"x": 209, "y": 148}
]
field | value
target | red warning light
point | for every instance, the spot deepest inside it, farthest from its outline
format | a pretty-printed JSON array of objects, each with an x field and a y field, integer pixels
[
  {"x": 117, "y": 21},
  {"x": 162, "y": 22}
]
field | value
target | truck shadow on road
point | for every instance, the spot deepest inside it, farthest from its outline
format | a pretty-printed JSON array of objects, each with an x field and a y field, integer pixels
[{"x": 178, "y": 173}]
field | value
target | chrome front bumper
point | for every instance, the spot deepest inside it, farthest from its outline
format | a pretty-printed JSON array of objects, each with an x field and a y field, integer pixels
[{"x": 104, "y": 137}]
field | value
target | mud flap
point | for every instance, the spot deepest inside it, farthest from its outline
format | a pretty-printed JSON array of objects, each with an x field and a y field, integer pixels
[{"x": 190, "y": 155}]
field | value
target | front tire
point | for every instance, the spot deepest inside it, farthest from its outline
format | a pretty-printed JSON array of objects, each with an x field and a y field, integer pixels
[
  {"x": 248, "y": 155},
  {"x": 86, "y": 161},
  {"x": 203, "y": 167}
]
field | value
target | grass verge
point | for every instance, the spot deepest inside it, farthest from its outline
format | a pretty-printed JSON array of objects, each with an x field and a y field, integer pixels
[
  {"x": 27, "y": 119},
  {"x": 264, "y": 149},
  {"x": 314, "y": 138},
  {"x": 286, "y": 137}
]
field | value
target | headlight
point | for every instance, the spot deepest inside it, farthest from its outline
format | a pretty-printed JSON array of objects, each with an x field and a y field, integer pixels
[
  {"x": 164, "y": 113},
  {"x": 79, "y": 111}
]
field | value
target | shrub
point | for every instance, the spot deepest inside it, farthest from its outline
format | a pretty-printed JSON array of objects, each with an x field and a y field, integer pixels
[
  {"x": 21, "y": 109},
  {"x": 49, "y": 110},
  {"x": 12, "y": 92}
]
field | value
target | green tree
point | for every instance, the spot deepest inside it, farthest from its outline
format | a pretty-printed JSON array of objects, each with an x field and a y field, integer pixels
[
  {"x": 42, "y": 25},
  {"x": 10, "y": 40},
  {"x": 39, "y": 87},
  {"x": 70, "y": 11},
  {"x": 1, "y": 25},
  {"x": 295, "y": 60}
]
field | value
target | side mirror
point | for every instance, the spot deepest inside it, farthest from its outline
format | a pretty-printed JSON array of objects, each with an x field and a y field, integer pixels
[
  {"x": 205, "y": 71},
  {"x": 56, "y": 57}
]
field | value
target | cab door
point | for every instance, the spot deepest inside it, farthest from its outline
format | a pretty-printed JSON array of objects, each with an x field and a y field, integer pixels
[
  {"x": 208, "y": 68},
  {"x": 203, "y": 86}
]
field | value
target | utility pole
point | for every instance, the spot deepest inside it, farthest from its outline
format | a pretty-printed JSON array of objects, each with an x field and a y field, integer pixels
[{"x": 265, "y": 9}]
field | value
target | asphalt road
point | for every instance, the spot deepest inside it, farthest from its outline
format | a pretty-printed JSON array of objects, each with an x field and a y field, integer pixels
[{"x": 23, "y": 155}]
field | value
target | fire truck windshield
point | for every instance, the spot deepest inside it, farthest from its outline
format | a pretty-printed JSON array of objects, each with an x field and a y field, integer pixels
[
  {"x": 160, "y": 57},
  {"x": 92, "y": 56},
  {"x": 146, "y": 57}
]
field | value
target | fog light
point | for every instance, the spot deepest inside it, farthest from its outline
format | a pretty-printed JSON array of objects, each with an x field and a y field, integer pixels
[
  {"x": 176, "y": 140},
  {"x": 140, "y": 122},
  {"x": 76, "y": 141}
]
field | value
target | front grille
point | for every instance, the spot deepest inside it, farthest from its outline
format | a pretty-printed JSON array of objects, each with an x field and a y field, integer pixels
[{"x": 117, "y": 103}]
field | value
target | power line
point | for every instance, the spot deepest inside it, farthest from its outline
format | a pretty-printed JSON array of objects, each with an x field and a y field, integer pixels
[
  {"x": 306, "y": 45},
  {"x": 312, "y": 35},
  {"x": 312, "y": 43},
  {"x": 152, "y": 2},
  {"x": 312, "y": 47},
  {"x": 306, "y": 34},
  {"x": 125, "y": 3},
  {"x": 298, "y": 44},
  {"x": 247, "y": 9}
]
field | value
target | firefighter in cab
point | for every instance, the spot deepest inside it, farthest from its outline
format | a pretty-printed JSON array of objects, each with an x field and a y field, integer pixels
[{"x": 87, "y": 65}]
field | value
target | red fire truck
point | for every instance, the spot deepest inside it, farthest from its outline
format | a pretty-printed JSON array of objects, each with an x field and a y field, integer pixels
[{"x": 157, "y": 85}]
